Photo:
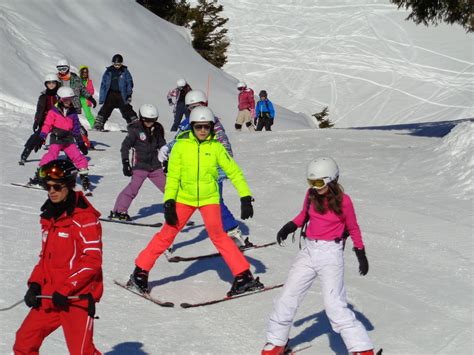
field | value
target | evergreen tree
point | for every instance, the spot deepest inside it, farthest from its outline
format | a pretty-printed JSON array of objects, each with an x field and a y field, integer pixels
[
  {"x": 324, "y": 122},
  {"x": 434, "y": 12},
  {"x": 177, "y": 12},
  {"x": 209, "y": 35}
]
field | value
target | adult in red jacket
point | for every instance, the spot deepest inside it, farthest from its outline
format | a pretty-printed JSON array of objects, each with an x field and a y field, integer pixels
[
  {"x": 69, "y": 270},
  {"x": 246, "y": 108}
]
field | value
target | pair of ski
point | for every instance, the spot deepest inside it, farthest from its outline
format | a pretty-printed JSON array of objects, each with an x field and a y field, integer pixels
[
  {"x": 139, "y": 224},
  {"x": 38, "y": 187},
  {"x": 162, "y": 303}
]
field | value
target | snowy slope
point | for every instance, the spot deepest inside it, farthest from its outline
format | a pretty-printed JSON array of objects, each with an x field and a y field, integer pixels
[
  {"x": 360, "y": 58},
  {"x": 34, "y": 35},
  {"x": 413, "y": 196}
]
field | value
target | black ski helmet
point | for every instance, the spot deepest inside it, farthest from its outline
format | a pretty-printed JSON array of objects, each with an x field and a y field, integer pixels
[
  {"x": 117, "y": 58},
  {"x": 59, "y": 170},
  {"x": 263, "y": 93}
]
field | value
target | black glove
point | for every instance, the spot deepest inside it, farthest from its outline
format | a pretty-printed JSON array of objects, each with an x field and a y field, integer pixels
[
  {"x": 287, "y": 229},
  {"x": 363, "y": 262},
  {"x": 83, "y": 148},
  {"x": 30, "y": 297},
  {"x": 246, "y": 209},
  {"x": 127, "y": 169},
  {"x": 59, "y": 300},
  {"x": 94, "y": 103},
  {"x": 171, "y": 217},
  {"x": 38, "y": 142},
  {"x": 165, "y": 166}
]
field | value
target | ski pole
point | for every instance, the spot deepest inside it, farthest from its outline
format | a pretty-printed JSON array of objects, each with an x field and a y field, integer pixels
[{"x": 12, "y": 306}]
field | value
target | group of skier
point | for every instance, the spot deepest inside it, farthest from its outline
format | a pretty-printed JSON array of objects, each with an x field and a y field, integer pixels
[{"x": 190, "y": 171}]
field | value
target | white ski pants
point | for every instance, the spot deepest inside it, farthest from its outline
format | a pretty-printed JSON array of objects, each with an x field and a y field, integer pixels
[{"x": 325, "y": 260}]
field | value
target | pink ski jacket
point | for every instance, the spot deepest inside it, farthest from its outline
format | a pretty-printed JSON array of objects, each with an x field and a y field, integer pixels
[
  {"x": 330, "y": 226},
  {"x": 246, "y": 100}
]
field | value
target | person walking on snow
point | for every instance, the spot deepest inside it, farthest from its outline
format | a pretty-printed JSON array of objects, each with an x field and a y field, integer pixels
[
  {"x": 67, "y": 281},
  {"x": 87, "y": 82},
  {"x": 191, "y": 184},
  {"x": 62, "y": 122},
  {"x": 69, "y": 79},
  {"x": 176, "y": 99},
  {"x": 47, "y": 99},
  {"x": 328, "y": 212},
  {"x": 264, "y": 112},
  {"x": 145, "y": 137},
  {"x": 116, "y": 91},
  {"x": 193, "y": 99},
  {"x": 246, "y": 107}
]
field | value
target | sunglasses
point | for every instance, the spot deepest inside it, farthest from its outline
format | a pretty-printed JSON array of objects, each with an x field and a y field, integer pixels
[
  {"x": 55, "y": 187},
  {"x": 62, "y": 68},
  {"x": 198, "y": 127},
  {"x": 319, "y": 184}
]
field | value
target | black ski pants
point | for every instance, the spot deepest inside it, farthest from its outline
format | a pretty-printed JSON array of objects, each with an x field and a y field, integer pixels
[
  {"x": 112, "y": 101},
  {"x": 264, "y": 121}
]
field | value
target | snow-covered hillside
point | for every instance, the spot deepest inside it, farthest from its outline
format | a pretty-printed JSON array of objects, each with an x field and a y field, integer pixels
[
  {"x": 412, "y": 194},
  {"x": 35, "y": 34},
  {"x": 360, "y": 58}
]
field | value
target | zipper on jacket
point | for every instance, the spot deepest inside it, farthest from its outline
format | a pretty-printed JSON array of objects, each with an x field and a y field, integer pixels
[{"x": 199, "y": 147}]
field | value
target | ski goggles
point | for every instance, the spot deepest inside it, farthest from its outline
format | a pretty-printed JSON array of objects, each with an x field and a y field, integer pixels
[
  {"x": 53, "y": 173},
  {"x": 199, "y": 127},
  {"x": 62, "y": 68},
  {"x": 55, "y": 187},
  {"x": 319, "y": 183}
]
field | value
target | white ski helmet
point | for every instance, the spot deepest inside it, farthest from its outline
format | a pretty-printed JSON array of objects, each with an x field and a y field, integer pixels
[
  {"x": 62, "y": 63},
  {"x": 148, "y": 112},
  {"x": 241, "y": 84},
  {"x": 194, "y": 97},
  {"x": 50, "y": 77},
  {"x": 181, "y": 83},
  {"x": 65, "y": 91},
  {"x": 323, "y": 168},
  {"x": 201, "y": 114}
]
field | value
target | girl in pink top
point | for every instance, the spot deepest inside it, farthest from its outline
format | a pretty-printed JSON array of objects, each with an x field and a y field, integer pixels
[{"x": 329, "y": 214}]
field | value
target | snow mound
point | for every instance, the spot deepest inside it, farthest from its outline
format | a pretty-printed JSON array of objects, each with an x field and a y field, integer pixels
[{"x": 455, "y": 160}]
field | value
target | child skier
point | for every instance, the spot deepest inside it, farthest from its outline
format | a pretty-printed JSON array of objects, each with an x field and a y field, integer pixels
[
  {"x": 193, "y": 99},
  {"x": 63, "y": 124},
  {"x": 69, "y": 272},
  {"x": 145, "y": 137},
  {"x": 264, "y": 112},
  {"x": 176, "y": 98},
  {"x": 46, "y": 101},
  {"x": 246, "y": 108},
  {"x": 89, "y": 85},
  {"x": 192, "y": 184},
  {"x": 329, "y": 212}
]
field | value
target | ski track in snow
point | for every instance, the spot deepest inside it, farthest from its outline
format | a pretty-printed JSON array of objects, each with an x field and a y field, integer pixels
[{"x": 319, "y": 55}]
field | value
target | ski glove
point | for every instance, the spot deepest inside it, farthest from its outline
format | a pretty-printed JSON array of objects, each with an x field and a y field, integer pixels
[
  {"x": 38, "y": 142},
  {"x": 363, "y": 262},
  {"x": 83, "y": 148},
  {"x": 165, "y": 167},
  {"x": 30, "y": 297},
  {"x": 92, "y": 100},
  {"x": 171, "y": 217},
  {"x": 286, "y": 230},
  {"x": 127, "y": 169},
  {"x": 246, "y": 209},
  {"x": 59, "y": 300}
]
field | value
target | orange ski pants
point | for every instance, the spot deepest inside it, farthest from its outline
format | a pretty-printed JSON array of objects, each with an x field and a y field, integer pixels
[{"x": 211, "y": 215}]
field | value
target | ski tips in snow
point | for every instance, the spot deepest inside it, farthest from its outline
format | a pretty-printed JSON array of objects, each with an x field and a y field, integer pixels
[{"x": 146, "y": 296}]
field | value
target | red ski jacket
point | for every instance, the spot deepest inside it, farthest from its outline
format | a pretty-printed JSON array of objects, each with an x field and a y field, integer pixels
[
  {"x": 246, "y": 100},
  {"x": 71, "y": 254}
]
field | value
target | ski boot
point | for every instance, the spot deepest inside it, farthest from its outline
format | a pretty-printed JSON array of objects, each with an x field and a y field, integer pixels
[
  {"x": 139, "y": 280},
  {"x": 244, "y": 282},
  {"x": 99, "y": 124},
  {"x": 270, "y": 349},
  {"x": 84, "y": 176},
  {"x": 22, "y": 162},
  {"x": 121, "y": 216},
  {"x": 238, "y": 239},
  {"x": 35, "y": 180}
]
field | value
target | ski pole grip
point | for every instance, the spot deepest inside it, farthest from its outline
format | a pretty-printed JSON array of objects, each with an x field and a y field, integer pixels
[{"x": 90, "y": 304}]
